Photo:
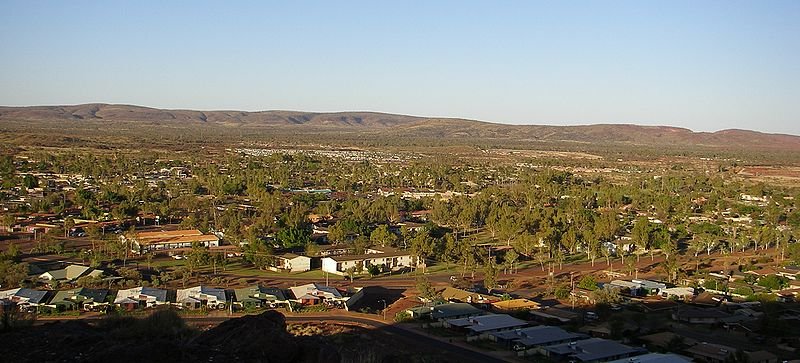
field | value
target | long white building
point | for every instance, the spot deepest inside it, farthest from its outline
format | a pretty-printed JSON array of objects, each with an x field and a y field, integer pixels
[{"x": 390, "y": 259}]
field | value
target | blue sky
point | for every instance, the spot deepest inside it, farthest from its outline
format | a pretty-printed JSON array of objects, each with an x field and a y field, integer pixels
[{"x": 704, "y": 65}]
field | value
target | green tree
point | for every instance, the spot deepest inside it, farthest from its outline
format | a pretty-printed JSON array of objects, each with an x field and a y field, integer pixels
[
  {"x": 8, "y": 221},
  {"x": 606, "y": 296},
  {"x": 588, "y": 283},
  {"x": 197, "y": 257},
  {"x": 69, "y": 223},
  {"x": 490, "y": 274},
  {"x": 12, "y": 274},
  {"x": 258, "y": 253},
  {"x": 30, "y": 181},
  {"x": 293, "y": 237},
  {"x": 383, "y": 236},
  {"x": 641, "y": 235},
  {"x": 773, "y": 282},
  {"x": 351, "y": 272},
  {"x": 426, "y": 290},
  {"x": 422, "y": 247},
  {"x": 510, "y": 259}
]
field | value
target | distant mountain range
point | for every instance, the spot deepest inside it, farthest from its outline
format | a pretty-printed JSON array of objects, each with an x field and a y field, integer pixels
[{"x": 402, "y": 125}]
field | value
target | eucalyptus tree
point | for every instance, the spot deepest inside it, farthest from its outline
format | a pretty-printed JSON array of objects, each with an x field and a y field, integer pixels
[{"x": 641, "y": 235}]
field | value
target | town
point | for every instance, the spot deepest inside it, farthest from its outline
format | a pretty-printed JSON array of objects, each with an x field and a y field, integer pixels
[{"x": 521, "y": 257}]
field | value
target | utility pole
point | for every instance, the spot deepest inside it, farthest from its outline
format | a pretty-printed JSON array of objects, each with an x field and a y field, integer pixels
[
  {"x": 384, "y": 309},
  {"x": 572, "y": 292}
]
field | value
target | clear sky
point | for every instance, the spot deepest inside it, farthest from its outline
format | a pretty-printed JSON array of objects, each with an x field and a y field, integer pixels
[{"x": 704, "y": 65}]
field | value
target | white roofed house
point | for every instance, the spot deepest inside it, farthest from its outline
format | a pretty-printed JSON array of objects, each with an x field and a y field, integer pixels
[
  {"x": 531, "y": 339},
  {"x": 292, "y": 262},
  {"x": 592, "y": 350},
  {"x": 70, "y": 273},
  {"x": 141, "y": 297},
  {"x": 389, "y": 259},
  {"x": 479, "y": 327},
  {"x": 144, "y": 242},
  {"x": 201, "y": 296},
  {"x": 313, "y": 294},
  {"x": 25, "y": 298}
]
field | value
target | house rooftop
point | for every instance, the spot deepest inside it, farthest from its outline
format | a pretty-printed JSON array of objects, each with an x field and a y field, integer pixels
[
  {"x": 444, "y": 311},
  {"x": 594, "y": 349},
  {"x": 713, "y": 351},
  {"x": 81, "y": 294},
  {"x": 654, "y": 358},
  {"x": 484, "y": 323},
  {"x": 555, "y": 314},
  {"x": 29, "y": 295},
  {"x": 134, "y": 294},
  {"x": 316, "y": 290},
  {"x": 538, "y": 335},
  {"x": 515, "y": 304},
  {"x": 70, "y": 273},
  {"x": 168, "y": 234},
  {"x": 451, "y": 293},
  {"x": 191, "y": 292},
  {"x": 379, "y": 253},
  {"x": 260, "y": 293},
  {"x": 710, "y": 313}
]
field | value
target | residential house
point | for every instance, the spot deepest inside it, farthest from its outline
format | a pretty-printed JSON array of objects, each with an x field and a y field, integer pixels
[
  {"x": 292, "y": 263},
  {"x": 700, "y": 316},
  {"x": 790, "y": 272},
  {"x": 313, "y": 294},
  {"x": 144, "y": 242},
  {"x": 445, "y": 311},
  {"x": 141, "y": 297},
  {"x": 70, "y": 273},
  {"x": 458, "y": 295},
  {"x": 388, "y": 259},
  {"x": 201, "y": 296},
  {"x": 592, "y": 350},
  {"x": 654, "y": 358},
  {"x": 681, "y": 293},
  {"x": 531, "y": 339},
  {"x": 421, "y": 215},
  {"x": 25, "y": 298},
  {"x": 638, "y": 287},
  {"x": 649, "y": 286},
  {"x": 79, "y": 299},
  {"x": 706, "y": 298},
  {"x": 761, "y": 356},
  {"x": 554, "y": 315},
  {"x": 717, "y": 353},
  {"x": 483, "y": 325},
  {"x": 625, "y": 287},
  {"x": 259, "y": 296},
  {"x": 514, "y": 305},
  {"x": 665, "y": 340}
]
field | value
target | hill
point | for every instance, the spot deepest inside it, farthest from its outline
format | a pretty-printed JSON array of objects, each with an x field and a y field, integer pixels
[{"x": 366, "y": 124}]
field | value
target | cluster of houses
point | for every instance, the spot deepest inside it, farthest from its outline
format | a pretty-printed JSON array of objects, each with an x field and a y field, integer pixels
[
  {"x": 529, "y": 338},
  {"x": 197, "y": 297},
  {"x": 334, "y": 260},
  {"x": 525, "y": 327}
]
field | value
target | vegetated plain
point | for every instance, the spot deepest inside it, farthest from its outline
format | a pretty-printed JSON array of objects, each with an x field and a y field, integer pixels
[{"x": 520, "y": 211}]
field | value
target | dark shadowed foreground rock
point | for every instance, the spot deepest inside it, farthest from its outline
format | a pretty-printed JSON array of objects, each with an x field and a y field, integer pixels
[{"x": 260, "y": 338}]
